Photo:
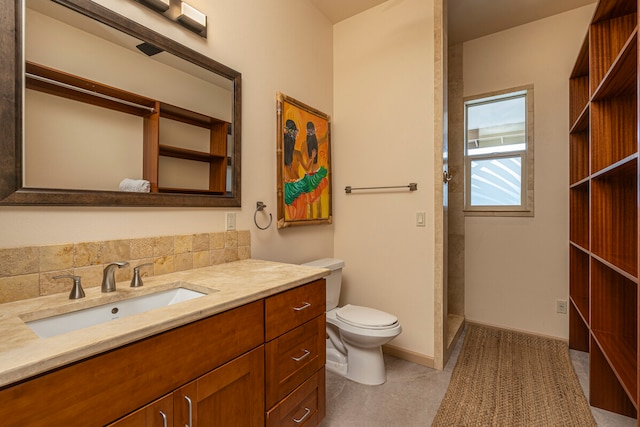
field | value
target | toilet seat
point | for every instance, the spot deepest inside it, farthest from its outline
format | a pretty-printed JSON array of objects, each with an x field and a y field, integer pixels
[{"x": 366, "y": 317}]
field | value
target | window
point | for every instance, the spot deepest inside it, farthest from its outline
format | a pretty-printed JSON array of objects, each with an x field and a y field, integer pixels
[{"x": 498, "y": 153}]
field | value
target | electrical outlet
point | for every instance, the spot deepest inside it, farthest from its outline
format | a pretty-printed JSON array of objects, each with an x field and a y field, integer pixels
[
  {"x": 561, "y": 306},
  {"x": 231, "y": 221}
]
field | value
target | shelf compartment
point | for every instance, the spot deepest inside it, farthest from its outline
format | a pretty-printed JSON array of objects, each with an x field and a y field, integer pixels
[
  {"x": 579, "y": 93},
  {"x": 578, "y": 330},
  {"x": 579, "y": 281},
  {"x": 183, "y": 153},
  {"x": 608, "y": 9},
  {"x": 613, "y": 131},
  {"x": 198, "y": 146},
  {"x": 605, "y": 390},
  {"x": 579, "y": 156},
  {"x": 614, "y": 220},
  {"x": 188, "y": 191},
  {"x": 579, "y": 99},
  {"x": 614, "y": 322},
  {"x": 187, "y": 116},
  {"x": 54, "y": 82},
  {"x": 191, "y": 175},
  {"x": 621, "y": 79},
  {"x": 606, "y": 41},
  {"x": 579, "y": 214}
]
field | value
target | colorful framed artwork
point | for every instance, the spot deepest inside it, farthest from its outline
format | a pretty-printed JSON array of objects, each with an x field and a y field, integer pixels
[{"x": 304, "y": 164}]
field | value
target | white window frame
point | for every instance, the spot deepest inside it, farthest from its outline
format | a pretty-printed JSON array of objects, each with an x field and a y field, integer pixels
[{"x": 526, "y": 156}]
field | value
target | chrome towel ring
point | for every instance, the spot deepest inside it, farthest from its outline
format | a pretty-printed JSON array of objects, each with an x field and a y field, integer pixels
[{"x": 260, "y": 207}]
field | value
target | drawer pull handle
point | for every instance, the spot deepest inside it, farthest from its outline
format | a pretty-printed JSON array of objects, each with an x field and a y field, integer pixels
[
  {"x": 302, "y": 307},
  {"x": 164, "y": 419},
  {"x": 306, "y": 353},
  {"x": 190, "y": 405},
  {"x": 306, "y": 414}
]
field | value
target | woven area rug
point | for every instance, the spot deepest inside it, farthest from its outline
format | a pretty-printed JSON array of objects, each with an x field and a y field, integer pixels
[{"x": 505, "y": 378}]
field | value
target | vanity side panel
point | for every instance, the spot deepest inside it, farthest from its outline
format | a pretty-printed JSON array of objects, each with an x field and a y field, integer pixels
[{"x": 101, "y": 389}]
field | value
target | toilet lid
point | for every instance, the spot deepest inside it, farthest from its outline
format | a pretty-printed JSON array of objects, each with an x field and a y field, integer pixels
[{"x": 366, "y": 317}]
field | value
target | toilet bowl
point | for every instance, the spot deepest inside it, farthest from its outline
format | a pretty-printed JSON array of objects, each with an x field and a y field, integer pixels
[{"x": 356, "y": 334}]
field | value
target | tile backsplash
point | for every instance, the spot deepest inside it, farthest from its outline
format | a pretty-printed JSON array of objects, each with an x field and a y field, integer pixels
[{"x": 28, "y": 272}]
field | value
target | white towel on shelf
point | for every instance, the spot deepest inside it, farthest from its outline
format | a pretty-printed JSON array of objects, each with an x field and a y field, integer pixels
[{"x": 135, "y": 185}]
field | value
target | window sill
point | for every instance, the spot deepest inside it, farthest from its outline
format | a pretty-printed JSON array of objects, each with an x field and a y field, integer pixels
[{"x": 498, "y": 213}]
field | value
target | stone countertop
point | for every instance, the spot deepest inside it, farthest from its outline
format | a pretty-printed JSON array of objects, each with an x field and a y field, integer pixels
[{"x": 23, "y": 354}]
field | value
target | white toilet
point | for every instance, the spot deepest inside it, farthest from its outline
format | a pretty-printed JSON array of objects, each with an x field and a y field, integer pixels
[{"x": 356, "y": 334}]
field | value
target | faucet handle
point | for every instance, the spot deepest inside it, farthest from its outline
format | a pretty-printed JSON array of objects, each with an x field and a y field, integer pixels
[
  {"x": 76, "y": 292},
  {"x": 136, "y": 280}
]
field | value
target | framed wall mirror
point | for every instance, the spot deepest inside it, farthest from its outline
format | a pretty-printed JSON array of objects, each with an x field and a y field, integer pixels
[{"x": 101, "y": 111}]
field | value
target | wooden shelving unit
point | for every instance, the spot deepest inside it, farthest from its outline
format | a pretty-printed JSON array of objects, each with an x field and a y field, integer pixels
[
  {"x": 215, "y": 157},
  {"x": 58, "y": 83},
  {"x": 604, "y": 201}
]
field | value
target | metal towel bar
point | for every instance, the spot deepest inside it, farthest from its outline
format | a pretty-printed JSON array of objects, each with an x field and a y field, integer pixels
[{"x": 413, "y": 186}]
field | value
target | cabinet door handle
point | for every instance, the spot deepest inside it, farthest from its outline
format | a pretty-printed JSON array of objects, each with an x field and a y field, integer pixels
[
  {"x": 306, "y": 414},
  {"x": 164, "y": 419},
  {"x": 190, "y": 405},
  {"x": 303, "y": 306},
  {"x": 306, "y": 353}
]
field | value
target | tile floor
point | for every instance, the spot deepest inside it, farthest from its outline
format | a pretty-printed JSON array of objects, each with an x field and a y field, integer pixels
[{"x": 412, "y": 394}]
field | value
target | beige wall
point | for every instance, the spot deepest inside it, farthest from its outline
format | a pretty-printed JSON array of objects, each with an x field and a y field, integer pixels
[
  {"x": 277, "y": 46},
  {"x": 384, "y": 134},
  {"x": 374, "y": 74},
  {"x": 516, "y": 268}
]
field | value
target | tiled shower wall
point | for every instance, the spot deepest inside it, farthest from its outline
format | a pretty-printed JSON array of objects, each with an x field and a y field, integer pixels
[{"x": 28, "y": 272}]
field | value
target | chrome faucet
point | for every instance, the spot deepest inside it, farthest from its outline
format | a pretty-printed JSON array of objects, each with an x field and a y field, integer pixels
[{"x": 108, "y": 276}]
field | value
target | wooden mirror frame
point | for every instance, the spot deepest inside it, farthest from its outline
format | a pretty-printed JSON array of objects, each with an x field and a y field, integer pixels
[{"x": 12, "y": 191}]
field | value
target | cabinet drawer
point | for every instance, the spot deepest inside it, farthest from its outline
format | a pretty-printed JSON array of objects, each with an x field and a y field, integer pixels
[
  {"x": 292, "y": 308},
  {"x": 304, "y": 407},
  {"x": 294, "y": 357}
]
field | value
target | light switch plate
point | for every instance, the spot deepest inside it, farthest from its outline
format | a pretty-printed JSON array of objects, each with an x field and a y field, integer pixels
[
  {"x": 230, "y": 221},
  {"x": 420, "y": 219}
]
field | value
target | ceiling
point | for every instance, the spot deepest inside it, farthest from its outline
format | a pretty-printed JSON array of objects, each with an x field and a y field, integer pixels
[
  {"x": 468, "y": 19},
  {"x": 338, "y": 10}
]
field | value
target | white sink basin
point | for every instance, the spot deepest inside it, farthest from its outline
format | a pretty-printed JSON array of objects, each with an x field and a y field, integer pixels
[{"x": 56, "y": 325}]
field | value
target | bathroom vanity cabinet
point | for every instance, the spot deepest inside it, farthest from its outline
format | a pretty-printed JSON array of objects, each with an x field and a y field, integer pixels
[{"x": 262, "y": 361}]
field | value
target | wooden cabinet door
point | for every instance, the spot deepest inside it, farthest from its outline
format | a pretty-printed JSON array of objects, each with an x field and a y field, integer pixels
[
  {"x": 229, "y": 396},
  {"x": 155, "y": 414}
]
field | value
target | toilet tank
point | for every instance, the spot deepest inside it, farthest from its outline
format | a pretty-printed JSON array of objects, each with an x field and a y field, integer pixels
[{"x": 334, "y": 280}]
